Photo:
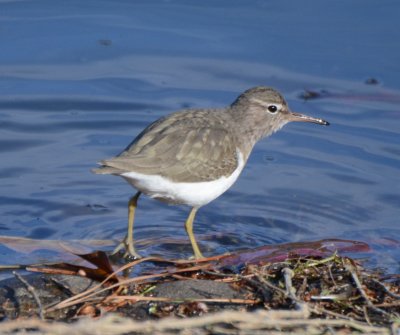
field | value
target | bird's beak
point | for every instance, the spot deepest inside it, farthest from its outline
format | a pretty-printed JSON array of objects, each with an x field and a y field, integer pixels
[{"x": 296, "y": 117}]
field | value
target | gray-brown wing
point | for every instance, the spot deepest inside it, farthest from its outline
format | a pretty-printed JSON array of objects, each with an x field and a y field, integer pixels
[{"x": 186, "y": 149}]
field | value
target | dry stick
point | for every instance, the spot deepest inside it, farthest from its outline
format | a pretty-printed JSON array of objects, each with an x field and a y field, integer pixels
[
  {"x": 228, "y": 278},
  {"x": 331, "y": 275},
  {"x": 91, "y": 292},
  {"x": 290, "y": 290},
  {"x": 32, "y": 291},
  {"x": 302, "y": 289},
  {"x": 86, "y": 293},
  {"x": 23, "y": 266},
  {"x": 288, "y": 274},
  {"x": 84, "y": 296},
  {"x": 322, "y": 261},
  {"x": 164, "y": 299},
  {"x": 315, "y": 309},
  {"x": 270, "y": 285},
  {"x": 356, "y": 280},
  {"x": 296, "y": 300},
  {"x": 260, "y": 320},
  {"x": 93, "y": 289},
  {"x": 366, "y": 316},
  {"x": 388, "y": 304},
  {"x": 393, "y": 295}
]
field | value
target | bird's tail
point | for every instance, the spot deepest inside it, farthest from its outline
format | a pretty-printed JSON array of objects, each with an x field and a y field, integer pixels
[{"x": 106, "y": 170}]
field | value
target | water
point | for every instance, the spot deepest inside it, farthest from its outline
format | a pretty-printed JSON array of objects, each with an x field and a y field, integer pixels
[{"x": 78, "y": 80}]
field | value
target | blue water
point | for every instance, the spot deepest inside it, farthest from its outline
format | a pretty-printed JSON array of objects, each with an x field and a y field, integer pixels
[{"x": 80, "y": 79}]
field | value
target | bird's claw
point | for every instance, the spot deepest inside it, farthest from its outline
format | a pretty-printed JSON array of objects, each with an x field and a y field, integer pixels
[{"x": 130, "y": 251}]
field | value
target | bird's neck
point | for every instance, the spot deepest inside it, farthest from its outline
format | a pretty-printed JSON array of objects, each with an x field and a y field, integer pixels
[{"x": 251, "y": 126}]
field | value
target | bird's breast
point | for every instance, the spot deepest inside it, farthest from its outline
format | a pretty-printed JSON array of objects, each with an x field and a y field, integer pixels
[{"x": 194, "y": 194}]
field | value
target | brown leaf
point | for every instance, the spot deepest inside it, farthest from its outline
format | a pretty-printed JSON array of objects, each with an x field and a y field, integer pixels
[{"x": 97, "y": 258}]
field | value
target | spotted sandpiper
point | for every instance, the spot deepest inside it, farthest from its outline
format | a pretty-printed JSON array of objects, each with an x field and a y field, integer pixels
[{"x": 193, "y": 156}]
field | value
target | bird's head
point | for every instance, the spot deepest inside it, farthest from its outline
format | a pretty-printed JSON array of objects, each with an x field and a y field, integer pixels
[{"x": 267, "y": 111}]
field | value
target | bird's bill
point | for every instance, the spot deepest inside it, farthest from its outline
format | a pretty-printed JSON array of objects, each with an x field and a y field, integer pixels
[{"x": 297, "y": 117}]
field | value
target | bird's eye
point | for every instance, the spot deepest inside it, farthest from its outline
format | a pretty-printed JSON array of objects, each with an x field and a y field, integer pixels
[{"x": 272, "y": 108}]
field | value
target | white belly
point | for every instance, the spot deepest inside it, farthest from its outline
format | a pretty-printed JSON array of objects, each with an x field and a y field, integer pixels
[{"x": 192, "y": 194}]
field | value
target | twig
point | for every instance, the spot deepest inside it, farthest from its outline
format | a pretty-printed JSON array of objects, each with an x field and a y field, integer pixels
[
  {"x": 165, "y": 299},
  {"x": 387, "y": 291},
  {"x": 389, "y": 304},
  {"x": 302, "y": 289},
  {"x": 288, "y": 274},
  {"x": 97, "y": 289},
  {"x": 246, "y": 322},
  {"x": 290, "y": 290},
  {"x": 314, "y": 309},
  {"x": 269, "y": 284},
  {"x": 356, "y": 280},
  {"x": 285, "y": 293},
  {"x": 24, "y": 267},
  {"x": 32, "y": 291},
  {"x": 322, "y": 261},
  {"x": 366, "y": 316},
  {"x": 331, "y": 275}
]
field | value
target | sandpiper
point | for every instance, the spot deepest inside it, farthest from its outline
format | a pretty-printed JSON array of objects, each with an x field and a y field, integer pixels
[{"x": 192, "y": 156}]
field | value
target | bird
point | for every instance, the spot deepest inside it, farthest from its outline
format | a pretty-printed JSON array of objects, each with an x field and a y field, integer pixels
[{"x": 193, "y": 156}]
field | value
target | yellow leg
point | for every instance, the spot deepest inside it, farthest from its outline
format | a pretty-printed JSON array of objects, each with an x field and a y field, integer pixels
[
  {"x": 127, "y": 242},
  {"x": 189, "y": 231}
]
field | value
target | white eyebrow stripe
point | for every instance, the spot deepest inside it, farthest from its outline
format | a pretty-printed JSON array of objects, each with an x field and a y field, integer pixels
[{"x": 266, "y": 104}]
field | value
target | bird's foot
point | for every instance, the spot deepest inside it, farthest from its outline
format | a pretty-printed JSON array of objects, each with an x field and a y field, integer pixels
[
  {"x": 130, "y": 251},
  {"x": 196, "y": 256}
]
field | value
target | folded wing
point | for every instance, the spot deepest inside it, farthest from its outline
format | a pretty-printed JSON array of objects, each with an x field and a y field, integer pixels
[{"x": 184, "y": 148}]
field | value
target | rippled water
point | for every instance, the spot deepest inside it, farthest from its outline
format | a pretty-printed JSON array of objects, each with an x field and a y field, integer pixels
[{"x": 79, "y": 80}]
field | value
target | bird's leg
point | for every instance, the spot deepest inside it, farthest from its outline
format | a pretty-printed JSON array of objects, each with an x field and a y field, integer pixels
[
  {"x": 127, "y": 242},
  {"x": 189, "y": 231}
]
